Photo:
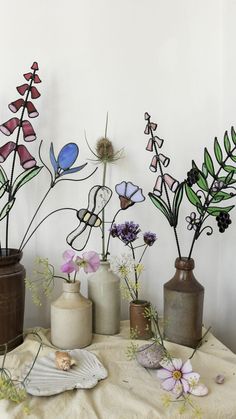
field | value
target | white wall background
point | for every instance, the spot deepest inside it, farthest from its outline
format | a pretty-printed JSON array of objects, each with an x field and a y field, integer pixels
[{"x": 174, "y": 59}]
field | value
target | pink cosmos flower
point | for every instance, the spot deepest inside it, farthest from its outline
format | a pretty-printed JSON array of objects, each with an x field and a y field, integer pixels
[
  {"x": 90, "y": 261},
  {"x": 177, "y": 376},
  {"x": 69, "y": 266}
]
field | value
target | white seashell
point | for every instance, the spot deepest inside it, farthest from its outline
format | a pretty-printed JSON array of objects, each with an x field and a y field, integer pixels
[
  {"x": 220, "y": 379},
  {"x": 45, "y": 379},
  {"x": 199, "y": 390}
]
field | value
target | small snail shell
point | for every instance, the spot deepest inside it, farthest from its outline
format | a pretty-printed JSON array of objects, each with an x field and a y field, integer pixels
[{"x": 64, "y": 361}]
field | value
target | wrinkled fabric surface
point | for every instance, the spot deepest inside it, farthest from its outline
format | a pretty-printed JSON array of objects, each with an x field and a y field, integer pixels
[{"x": 130, "y": 391}]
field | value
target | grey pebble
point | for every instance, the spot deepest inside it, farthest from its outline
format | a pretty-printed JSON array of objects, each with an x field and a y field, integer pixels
[{"x": 150, "y": 355}]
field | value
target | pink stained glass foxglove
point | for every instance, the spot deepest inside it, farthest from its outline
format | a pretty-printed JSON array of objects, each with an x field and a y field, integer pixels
[
  {"x": 32, "y": 111},
  {"x": 8, "y": 127},
  {"x": 27, "y": 161},
  {"x": 22, "y": 89},
  {"x": 5, "y": 150},
  {"x": 28, "y": 131},
  {"x": 16, "y": 105}
]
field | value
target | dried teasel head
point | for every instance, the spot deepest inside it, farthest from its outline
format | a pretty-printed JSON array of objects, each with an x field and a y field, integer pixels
[{"x": 105, "y": 150}]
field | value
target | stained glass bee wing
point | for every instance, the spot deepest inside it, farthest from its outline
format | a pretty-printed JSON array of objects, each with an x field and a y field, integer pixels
[{"x": 98, "y": 198}]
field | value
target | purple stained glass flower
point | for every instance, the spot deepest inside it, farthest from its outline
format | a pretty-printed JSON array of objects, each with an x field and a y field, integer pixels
[
  {"x": 127, "y": 232},
  {"x": 129, "y": 194},
  {"x": 149, "y": 238}
]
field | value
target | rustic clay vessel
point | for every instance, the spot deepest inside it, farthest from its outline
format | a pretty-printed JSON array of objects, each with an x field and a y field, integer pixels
[
  {"x": 183, "y": 305},
  {"x": 139, "y": 324},
  {"x": 12, "y": 299}
]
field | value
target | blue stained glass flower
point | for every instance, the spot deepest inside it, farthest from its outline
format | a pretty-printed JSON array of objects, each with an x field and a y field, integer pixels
[
  {"x": 66, "y": 158},
  {"x": 129, "y": 194}
]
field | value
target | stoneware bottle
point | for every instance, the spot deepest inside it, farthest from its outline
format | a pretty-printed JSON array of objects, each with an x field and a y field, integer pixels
[
  {"x": 104, "y": 292},
  {"x": 183, "y": 305},
  {"x": 140, "y": 325},
  {"x": 71, "y": 318}
]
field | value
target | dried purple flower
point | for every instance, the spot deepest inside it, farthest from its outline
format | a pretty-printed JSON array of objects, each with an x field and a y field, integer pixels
[
  {"x": 149, "y": 238},
  {"x": 127, "y": 232}
]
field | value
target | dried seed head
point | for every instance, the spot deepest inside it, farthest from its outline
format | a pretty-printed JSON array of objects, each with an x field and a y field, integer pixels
[{"x": 105, "y": 150}]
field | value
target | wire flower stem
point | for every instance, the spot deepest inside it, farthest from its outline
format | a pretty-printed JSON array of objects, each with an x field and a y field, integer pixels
[{"x": 41, "y": 222}]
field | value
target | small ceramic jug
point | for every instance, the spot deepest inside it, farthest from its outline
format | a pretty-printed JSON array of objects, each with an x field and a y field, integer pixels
[{"x": 71, "y": 318}]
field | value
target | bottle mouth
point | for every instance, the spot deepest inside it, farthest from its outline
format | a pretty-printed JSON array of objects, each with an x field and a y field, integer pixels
[{"x": 184, "y": 264}]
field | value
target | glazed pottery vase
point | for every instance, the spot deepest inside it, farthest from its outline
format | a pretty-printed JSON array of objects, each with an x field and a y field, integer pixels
[
  {"x": 183, "y": 305},
  {"x": 140, "y": 325},
  {"x": 104, "y": 292},
  {"x": 12, "y": 299},
  {"x": 71, "y": 318}
]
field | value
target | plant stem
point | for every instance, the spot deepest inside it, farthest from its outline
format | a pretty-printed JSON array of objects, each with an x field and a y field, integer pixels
[
  {"x": 109, "y": 237},
  {"x": 135, "y": 272},
  {"x": 208, "y": 202},
  {"x": 103, "y": 213},
  {"x": 14, "y": 158}
]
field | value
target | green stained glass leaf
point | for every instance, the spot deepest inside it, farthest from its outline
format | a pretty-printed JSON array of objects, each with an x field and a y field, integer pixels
[
  {"x": 6, "y": 209},
  {"x": 218, "y": 151},
  {"x": 208, "y": 162},
  {"x": 233, "y": 135},
  {"x": 204, "y": 170},
  {"x": 233, "y": 158},
  {"x": 161, "y": 205},
  {"x": 229, "y": 168},
  {"x": 3, "y": 176},
  {"x": 216, "y": 210},
  {"x": 177, "y": 201},
  {"x": 220, "y": 196},
  {"x": 3, "y": 188},
  {"x": 193, "y": 197},
  {"x": 228, "y": 180},
  {"x": 202, "y": 182},
  {"x": 227, "y": 143},
  {"x": 25, "y": 177}
]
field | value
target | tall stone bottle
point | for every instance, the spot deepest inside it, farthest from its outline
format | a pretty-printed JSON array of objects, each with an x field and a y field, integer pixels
[
  {"x": 183, "y": 305},
  {"x": 104, "y": 292}
]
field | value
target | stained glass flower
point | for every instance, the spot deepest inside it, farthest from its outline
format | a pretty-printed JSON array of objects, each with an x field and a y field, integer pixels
[
  {"x": 129, "y": 194},
  {"x": 217, "y": 186},
  {"x": 177, "y": 376},
  {"x": 6, "y": 149},
  {"x": 65, "y": 160},
  {"x": 27, "y": 161},
  {"x": 171, "y": 182},
  {"x": 192, "y": 221}
]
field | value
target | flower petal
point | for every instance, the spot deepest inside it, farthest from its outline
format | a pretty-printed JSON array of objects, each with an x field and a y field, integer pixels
[
  {"x": 53, "y": 158},
  {"x": 199, "y": 390},
  {"x": 192, "y": 377},
  {"x": 74, "y": 169},
  {"x": 185, "y": 385},
  {"x": 92, "y": 261},
  {"x": 120, "y": 188},
  {"x": 68, "y": 255},
  {"x": 130, "y": 189},
  {"x": 167, "y": 364},
  {"x": 163, "y": 374},
  {"x": 178, "y": 388},
  {"x": 68, "y": 267},
  {"x": 177, "y": 363},
  {"x": 138, "y": 196},
  {"x": 168, "y": 384},
  {"x": 67, "y": 155},
  {"x": 187, "y": 367}
]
